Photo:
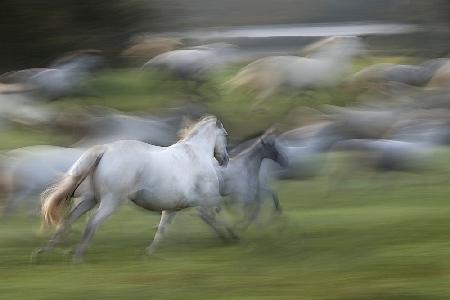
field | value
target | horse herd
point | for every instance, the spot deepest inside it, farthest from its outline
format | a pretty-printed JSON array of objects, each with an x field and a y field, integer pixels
[{"x": 123, "y": 157}]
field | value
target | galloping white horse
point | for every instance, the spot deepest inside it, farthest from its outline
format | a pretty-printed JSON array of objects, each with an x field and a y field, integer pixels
[
  {"x": 328, "y": 60},
  {"x": 195, "y": 64},
  {"x": 165, "y": 179}
]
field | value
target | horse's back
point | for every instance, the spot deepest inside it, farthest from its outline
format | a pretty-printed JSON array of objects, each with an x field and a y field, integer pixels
[
  {"x": 130, "y": 159},
  {"x": 121, "y": 164}
]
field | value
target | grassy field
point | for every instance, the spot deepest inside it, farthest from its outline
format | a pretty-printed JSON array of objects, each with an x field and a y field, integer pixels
[{"x": 375, "y": 238}]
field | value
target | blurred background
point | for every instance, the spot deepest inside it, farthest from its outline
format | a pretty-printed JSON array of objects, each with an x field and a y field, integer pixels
[
  {"x": 357, "y": 98},
  {"x": 37, "y": 32}
]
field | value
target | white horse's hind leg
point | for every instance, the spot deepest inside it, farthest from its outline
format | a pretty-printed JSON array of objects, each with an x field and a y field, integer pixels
[
  {"x": 166, "y": 219},
  {"x": 107, "y": 206},
  {"x": 83, "y": 207}
]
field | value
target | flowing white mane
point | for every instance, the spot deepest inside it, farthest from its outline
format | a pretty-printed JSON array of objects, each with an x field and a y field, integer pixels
[{"x": 192, "y": 129}]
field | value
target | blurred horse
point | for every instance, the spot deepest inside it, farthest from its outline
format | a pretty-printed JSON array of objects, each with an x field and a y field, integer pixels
[
  {"x": 147, "y": 47},
  {"x": 154, "y": 178},
  {"x": 409, "y": 148},
  {"x": 61, "y": 79},
  {"x": 304, "y": 149},
  {"x": 27, "y": 172},
  {"x": 117, "y": 126},
  {"x": 441, "y": 78},
  {"x": 388, "y": 75},
  {"x": 18, "y": 108},
  {"x": 240, "y": 179},
  {"x": 192, "y": 64},
  {"x": 328, "y": 59}
]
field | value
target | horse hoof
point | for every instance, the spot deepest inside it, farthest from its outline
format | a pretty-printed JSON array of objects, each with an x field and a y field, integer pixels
[
  {"x": 35, "y": 254},
  {"x": 77, "y": 259},
  {"x": 149, "y": 251}
]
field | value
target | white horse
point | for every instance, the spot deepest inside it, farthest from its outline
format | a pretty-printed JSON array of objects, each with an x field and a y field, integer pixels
[
  {"x": 61, "y": 79},
  {"x": 328, "y": 60},
  {"x": 195, "y": 64},
  {"x": 165, "y": 179}
]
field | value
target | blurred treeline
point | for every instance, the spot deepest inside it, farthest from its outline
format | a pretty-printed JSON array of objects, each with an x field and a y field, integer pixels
[
  {"x": 32, "y": 32},
  {"x": 35, "y": 32}
]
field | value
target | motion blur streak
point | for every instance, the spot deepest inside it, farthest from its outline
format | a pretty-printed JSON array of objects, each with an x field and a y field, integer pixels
[{"x": 289, "y": 149}]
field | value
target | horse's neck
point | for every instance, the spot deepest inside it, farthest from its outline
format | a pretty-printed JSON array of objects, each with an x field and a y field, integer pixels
[
  {"x": 254, "y": 156},
  {"x": 203, "y": 144}
]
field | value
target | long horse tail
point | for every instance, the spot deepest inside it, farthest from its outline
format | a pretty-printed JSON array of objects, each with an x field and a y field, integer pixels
[{"x": 56, "y": 200}]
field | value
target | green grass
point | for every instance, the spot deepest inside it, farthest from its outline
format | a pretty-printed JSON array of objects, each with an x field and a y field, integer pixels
[
  {"x": 382, "y": 241},
  {"x": 375, "y": 238}
]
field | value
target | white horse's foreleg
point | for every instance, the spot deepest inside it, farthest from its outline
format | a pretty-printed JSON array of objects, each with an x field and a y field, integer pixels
[
  {"x": 166, "y": 219},
  {"x": 107, "y": 207}
]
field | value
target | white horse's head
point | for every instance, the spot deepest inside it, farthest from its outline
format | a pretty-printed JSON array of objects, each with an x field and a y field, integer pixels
[{"x": 209, "y": 134}]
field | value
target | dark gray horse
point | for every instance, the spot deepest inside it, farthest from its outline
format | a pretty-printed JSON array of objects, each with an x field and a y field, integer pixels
[{"x": 240, "y": 179}]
